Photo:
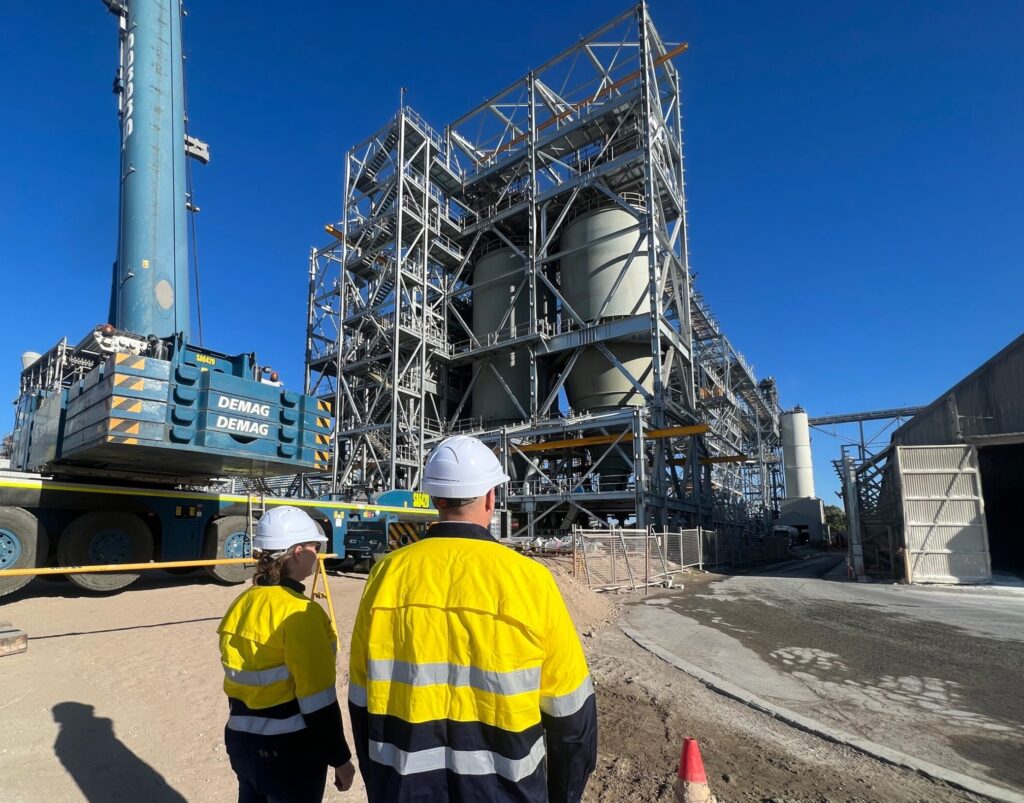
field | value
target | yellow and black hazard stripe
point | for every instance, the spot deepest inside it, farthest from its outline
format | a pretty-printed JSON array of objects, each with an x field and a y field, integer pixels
[
  {"x": 401, "y": 533},
  {"x": 132, "y": 382},
  {"x": 122, "y": 439},
  {"x": 130, "y": 361},
  {"x": 323, "y": 422},
  {"x": 324, "y": 406},
  {"x": 123, "y": 404},
  {"x": 124, "y": 426},
  {"x": 322, "y": 460}
]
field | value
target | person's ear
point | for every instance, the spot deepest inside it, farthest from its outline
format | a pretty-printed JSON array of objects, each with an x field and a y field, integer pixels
[{"x": 491, "y": 500}]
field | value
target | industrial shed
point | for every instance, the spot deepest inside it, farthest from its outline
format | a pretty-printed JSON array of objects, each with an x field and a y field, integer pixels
[{"x": 942, "y": 503}]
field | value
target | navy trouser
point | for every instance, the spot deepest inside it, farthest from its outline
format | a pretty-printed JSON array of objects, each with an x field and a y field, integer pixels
[{"x": 276, "y": 772}]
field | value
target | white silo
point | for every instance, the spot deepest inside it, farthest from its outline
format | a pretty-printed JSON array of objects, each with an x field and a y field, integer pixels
[
  {"x": 596, "y": 267},
  {"x": 604, "y": 277},
  {"x": 796, "y": 454},
  {"x": 499, "y": 289}
]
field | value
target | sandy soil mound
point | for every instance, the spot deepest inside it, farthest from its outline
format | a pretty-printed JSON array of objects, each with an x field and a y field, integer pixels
[{"x": 589, "y": 610}]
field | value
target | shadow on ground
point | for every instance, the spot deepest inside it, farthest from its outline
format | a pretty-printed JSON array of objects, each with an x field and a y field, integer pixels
[{"x": 103, "y": 767}]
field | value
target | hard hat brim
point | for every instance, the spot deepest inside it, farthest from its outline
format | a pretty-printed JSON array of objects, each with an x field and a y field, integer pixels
[{"x": 463, "y": 490}]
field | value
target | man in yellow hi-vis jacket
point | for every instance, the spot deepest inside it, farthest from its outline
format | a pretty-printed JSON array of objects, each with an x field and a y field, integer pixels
[{"x": 467, "y": 680}]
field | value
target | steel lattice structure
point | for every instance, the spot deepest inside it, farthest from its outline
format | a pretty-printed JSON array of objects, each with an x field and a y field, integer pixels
[
  {"x": 377, "y": 305},
  {"x": 393, "y": 340},
  {"x": 744, "y": 418}
]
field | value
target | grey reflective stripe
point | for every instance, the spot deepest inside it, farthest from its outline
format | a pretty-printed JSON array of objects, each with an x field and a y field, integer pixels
[
  {"x": 357, "y": 695},
  {"x": 265, "y": 725},
  {"x": 566, "y": 704},
  {"x": 314, "y": 702},
  {"x": 462, "y": 762},
  {"x": 444, "y": 674},
  {"x": 258, "y": 677}
]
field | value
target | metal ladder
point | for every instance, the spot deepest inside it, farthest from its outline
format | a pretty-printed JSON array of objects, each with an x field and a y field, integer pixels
[{"x": 255, "y": 508}]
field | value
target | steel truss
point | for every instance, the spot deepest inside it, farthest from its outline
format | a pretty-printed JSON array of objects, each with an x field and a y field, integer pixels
[
  {"x": 867, "y": 443},
  {"x": 390, "y": 329},
  {"x": 743, "y": 415}
]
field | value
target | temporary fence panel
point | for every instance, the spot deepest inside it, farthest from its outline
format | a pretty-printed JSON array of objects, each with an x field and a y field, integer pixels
[
  {"x": 691, "y": 549},
  {"x": 671, "y": 553},
  {"x": 944, "y": 531},
  {"x": 611, "y": 559},
  {"x": 618, "y": 558}
]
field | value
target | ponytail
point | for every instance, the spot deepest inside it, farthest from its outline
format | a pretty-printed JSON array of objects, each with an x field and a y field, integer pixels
[{"x": 269, "y": 567}]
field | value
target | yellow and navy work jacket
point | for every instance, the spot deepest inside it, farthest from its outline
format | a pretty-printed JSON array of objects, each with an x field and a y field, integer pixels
[
  {"x": 467, "y": 680},
  {"x": 278, "y": 652}
]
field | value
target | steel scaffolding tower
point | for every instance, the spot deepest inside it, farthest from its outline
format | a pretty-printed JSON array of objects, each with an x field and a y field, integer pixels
[
  {"x": 376, "y": 340},
  {"x": 452, "y": 301}
]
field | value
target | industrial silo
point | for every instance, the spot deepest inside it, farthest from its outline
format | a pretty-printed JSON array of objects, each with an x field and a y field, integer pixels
[
  {"x": 796, "y": 455},
  {"x": 599, "y": 251},
  {"x": 496, "y": 277},
  {"x": 601, "y": 283}
]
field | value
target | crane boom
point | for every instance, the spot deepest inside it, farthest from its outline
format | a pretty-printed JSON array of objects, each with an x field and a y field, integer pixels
[{"x": 150, "y": 282}]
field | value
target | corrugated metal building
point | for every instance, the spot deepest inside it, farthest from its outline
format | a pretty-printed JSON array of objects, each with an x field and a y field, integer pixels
[
  {"x": 986, "y": 407},
  {"x": 943, "y": 503}
]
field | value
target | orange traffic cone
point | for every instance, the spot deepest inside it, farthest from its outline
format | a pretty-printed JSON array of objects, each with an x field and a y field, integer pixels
[{"x": 692, "y": 783}]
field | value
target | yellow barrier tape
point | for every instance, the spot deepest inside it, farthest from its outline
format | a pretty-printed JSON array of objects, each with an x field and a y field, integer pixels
[{"x": 137, "y": 567}]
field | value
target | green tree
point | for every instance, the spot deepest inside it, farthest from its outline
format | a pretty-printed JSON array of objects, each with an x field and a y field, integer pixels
[{"x": 835, "y": 518}]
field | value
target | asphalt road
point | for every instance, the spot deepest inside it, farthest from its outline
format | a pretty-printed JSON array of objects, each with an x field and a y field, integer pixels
[{"x": 935, "y": 673}]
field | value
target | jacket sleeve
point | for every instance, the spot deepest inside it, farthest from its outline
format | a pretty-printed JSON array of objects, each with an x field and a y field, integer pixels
[
  {"x": 568, "y": 706},
  {"x": 357, "y": 677},
  {"x": 309, "y": 653}
]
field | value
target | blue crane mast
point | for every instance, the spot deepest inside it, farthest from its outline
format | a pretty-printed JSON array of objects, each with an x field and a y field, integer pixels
[
  {"x": 137, "y": 398},
  {"x": 113, "y": 433}
]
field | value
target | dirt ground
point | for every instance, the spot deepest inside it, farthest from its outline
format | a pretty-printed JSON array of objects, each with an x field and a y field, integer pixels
[{"x": 119, "y": 699}]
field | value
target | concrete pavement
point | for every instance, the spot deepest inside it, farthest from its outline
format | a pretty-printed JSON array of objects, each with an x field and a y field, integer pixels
[{"x": 933, "y": 673}]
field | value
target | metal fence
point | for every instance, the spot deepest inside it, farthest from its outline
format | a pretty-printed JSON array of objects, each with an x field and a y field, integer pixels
[
  {"x": 631, "y": 559},
  {"x": 612, "y": 559},
  {"x": 723, "y": 548}
]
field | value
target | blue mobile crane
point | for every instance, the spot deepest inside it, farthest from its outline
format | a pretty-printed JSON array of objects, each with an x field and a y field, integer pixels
[{"x": 114, "y": 434}]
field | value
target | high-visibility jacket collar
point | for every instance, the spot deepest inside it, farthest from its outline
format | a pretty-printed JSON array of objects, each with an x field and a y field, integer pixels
[
  {"x": 458, "y": 529},
  {"x": 284, "y": 582}
]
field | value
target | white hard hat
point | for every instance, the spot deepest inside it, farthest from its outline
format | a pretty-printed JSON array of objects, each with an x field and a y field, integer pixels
[
  {"x": 283, "y": 527},
  {"x": 461, "y": 467}
]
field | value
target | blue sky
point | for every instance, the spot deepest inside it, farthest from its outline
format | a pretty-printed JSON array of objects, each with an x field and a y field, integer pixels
[{"x": 855, "y": 181}]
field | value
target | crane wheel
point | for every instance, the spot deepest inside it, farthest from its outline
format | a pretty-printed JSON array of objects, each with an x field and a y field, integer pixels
[
  {"x": 228, "y": 537},
  {"x": 104, "y": 537},
  {"x": 23, "y": 545}
]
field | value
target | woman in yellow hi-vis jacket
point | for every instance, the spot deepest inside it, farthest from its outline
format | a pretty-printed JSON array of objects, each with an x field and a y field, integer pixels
[
  {"x": 278, "y": 650},
  {"x": 467, "y": 681}
]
